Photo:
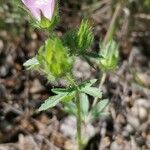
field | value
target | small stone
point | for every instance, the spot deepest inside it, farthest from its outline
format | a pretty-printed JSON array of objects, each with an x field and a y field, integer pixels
[
  {"x": 134, "y": 111},
  {"x": 88, "y": 131},
  {"x": 144, "y": 78},
  {"x": 143, "y": 102},
  {"x": 120, "y": 119},
  {"x": 36, "y": 86},
  {"x": 143, "y": 114},
  {"x": 68, "y": 127},
  {"x": 140, "y": 109},
  {"x": 129, "y": 129},
  {"x": 2, "y": 91},
  {"x": 105, "y": 142},
  {"x": 115, "y": 146},
  {"x": 4, "y": 70},
  {"x": 34, "y": 36},
  {"x": 1, "y": 45},
  {"x": 82, "y": 69},
  {"x": 69, "y": 146},
  {"x": 140, "y": 141},
  {"x": 148, "y": 141},
  {"x": 133, "y": 121}
]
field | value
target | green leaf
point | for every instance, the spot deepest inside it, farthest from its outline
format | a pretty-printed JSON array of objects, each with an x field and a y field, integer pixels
[
  {"x": 84, "y": 105},
  {"x": 110, "y": 56},
  {"x": 99, "y": 108},
  {"x": 62, "y": 90},
  {"x": 87, "y": 83},
  {"x": 31, "y": 63},
  {"x": 71, "y": 89},
  {"x": 69, "y": 97},
  {"x": 52, "y": 101},
  {"x": 70, "y": 108},
  {"x": 95, "y": 92},
  {"x": 69, "y": 40}
]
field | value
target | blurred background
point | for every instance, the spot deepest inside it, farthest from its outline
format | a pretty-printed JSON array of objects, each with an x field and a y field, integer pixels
[{"x": 128, "y": 89}]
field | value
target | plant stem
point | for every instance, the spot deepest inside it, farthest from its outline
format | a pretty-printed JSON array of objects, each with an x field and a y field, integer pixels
[
  {"x": 111, "y": 28},
  {"x": 78, "y": 116},
  {"x": 79, "y": 122},
  {"x": 99, "y": 87}
]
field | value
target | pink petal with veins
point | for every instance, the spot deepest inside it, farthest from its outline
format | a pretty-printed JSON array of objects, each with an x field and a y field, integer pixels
[{"x": 31, "y": 5}]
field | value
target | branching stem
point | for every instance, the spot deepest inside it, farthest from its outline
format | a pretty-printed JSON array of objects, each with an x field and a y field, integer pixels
[{"x": 78, "y": 115}]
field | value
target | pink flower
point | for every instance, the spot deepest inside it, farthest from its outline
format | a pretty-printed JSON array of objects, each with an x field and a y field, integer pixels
[{"x": 39, "y": 8}]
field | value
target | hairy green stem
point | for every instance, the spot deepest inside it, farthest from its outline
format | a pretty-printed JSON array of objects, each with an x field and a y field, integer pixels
[
  {"x": 99, "y": 87},
  {"x": 79, "y": 121},
  {"x": 78, "y": 116}
]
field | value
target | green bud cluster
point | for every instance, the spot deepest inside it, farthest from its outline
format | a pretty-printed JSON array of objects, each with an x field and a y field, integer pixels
[
  {"x": 109, "y": 56},
  {"x": 53, "y": 58},
  {"x": 78, "y": 40},
  {"x": 84, "y": 36}
]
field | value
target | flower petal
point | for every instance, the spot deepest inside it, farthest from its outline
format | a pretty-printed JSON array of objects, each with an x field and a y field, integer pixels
[
  {"x": 46, "y": 7},
  {"x": 31, "y": 5}
]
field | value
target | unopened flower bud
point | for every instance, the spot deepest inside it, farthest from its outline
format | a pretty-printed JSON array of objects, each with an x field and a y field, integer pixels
[
  {"x": 109, "y": 56},
  {"x": 53, "y": 59}
]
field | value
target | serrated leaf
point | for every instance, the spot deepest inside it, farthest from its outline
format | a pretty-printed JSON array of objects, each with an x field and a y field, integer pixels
[
  {"x": 95, "y": 92},
  {"x": 84, "y": 105},
  {"x": 99, "y": 108},
  {"x": 52, "y": 101},
  {"x": 33, "y": 62}
]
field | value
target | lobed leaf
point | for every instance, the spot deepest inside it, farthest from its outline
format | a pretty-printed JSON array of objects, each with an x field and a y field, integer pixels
[{"x": 95, "y": 92}]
